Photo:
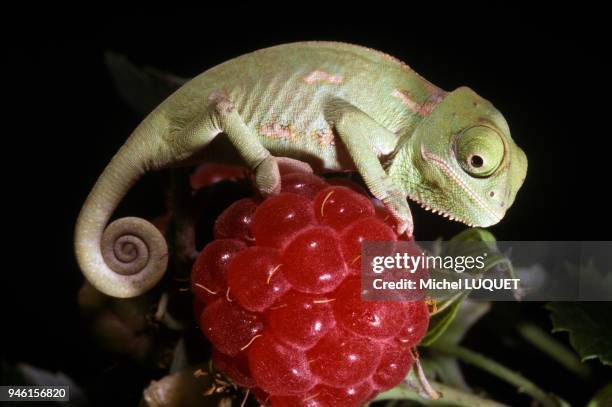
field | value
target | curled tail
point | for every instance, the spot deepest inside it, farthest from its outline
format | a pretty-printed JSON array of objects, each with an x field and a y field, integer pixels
[{"x": 130, "y": 256}]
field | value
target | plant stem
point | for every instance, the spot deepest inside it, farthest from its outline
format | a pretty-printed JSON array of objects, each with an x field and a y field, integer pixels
[
  {"x": 450, "y": 397},
  {"x": 476, "y": 359},
  {"x": 548, "y": 345},
  {"x": 431, "y": 392}
]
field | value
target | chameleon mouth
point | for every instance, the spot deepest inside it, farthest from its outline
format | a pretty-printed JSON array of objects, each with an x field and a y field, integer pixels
[
  {"x": 450, "y": 173},
  {"x": 441, "y": 212}
]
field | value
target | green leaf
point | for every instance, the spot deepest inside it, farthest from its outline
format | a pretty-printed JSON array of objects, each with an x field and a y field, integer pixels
[
  {"x": 410, "y": 390},
  {"x": 439, "y": 322},
  {"x": 446, "y": 369},
  {"x": 475, "y": 235},
  {"x": 588, "y": 325},
  {"x": 468, "y": 314},
  {"x": 551, "y": 347},
  {"x": 452, "y": 323},
  {"x": 602, "y": 398}
]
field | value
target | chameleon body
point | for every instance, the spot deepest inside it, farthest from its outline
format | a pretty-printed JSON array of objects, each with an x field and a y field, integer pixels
[{"x": 320, "y": 105}]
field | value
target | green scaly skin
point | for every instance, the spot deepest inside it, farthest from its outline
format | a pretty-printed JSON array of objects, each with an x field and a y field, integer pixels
[{"x": 333, "y": 106}]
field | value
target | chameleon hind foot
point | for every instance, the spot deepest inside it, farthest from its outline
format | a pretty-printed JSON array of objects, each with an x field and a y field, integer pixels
[{"x": 268, "y": 173}]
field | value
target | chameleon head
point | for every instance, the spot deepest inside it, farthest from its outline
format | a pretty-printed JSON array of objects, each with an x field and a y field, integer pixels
[{"x": 461, "y": 161}]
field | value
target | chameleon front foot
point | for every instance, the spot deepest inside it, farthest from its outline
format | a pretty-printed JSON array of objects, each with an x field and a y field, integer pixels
[
  {"x": 404, "y": 224},
  {"x": 397, "y": 204}
]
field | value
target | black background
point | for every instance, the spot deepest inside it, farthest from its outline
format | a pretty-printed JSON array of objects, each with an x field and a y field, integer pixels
[{"x": 545, "y": 73}]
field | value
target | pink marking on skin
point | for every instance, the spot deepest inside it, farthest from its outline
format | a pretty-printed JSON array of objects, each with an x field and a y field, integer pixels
[
  {"x": 405, "y": 99},
  {"x": 324, "y": 137},
  {"x": 424, "y": 109},
  {"x": 321, "y": 76},
  {"x": 217, "y": 96},
  {"x": 431, "y": 103},
  {"x": 277, "y": 131}
]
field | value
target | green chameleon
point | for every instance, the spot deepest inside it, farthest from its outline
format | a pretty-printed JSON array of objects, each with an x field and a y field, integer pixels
[{"x": 319, "y": 106}]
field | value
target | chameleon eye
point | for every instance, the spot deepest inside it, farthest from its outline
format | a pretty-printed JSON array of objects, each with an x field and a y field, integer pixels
[{"x": 479, "y": 150}]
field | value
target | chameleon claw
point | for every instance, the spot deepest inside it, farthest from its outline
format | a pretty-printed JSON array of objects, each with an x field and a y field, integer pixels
[
  {"x": 405, "y": 227},
  {"x": 288, "y": 165}
]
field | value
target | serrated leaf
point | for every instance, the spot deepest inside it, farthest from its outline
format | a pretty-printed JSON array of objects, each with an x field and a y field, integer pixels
[{"x": 588, "y": 325}]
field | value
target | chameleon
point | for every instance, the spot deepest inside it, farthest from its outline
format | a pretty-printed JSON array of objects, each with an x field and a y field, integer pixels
[{"x": 307, "y": 106}]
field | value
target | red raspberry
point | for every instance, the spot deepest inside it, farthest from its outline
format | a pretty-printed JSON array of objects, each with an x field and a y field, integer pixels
[
  {"x": 282, "y": 311},
  {"x": 393, "y": 367},
  {"x": 210, "y": 173},
  {"x": 253, "y": 278},
  {"x": 229, "y": 327},
  {"x": 313, "y": 261},
  {"x": 367, "y": 229},
  {"x": 209, "y": 273},
  {"x": 376, "y": 319},
  {"x": 339, "y": 206},
  {"x": 235, "y": 367},
  {"x": 307, "y": 185},
  {"x": 343, "y": 359},
  {"x": 416, "y": 324},
  {"x": 301, "y": 319},
  {"x": 235, "y": 221},
  {"x": 278, "y": 218},
  {"x": 325, "y": 396},
  {"x": 346, "y": 182},
  {"x": 278, "y": 368}
]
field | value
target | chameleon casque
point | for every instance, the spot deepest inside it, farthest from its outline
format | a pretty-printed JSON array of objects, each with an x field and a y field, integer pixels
[{"x": 319, "y": 106}]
